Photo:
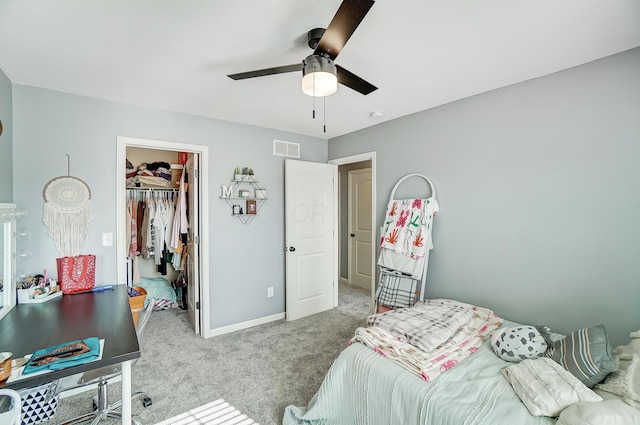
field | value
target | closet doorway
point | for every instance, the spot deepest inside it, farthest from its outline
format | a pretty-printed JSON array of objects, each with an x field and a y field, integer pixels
[
  {"x": 357, "y": 217},
  {"x": 132, "y": 153},
  {"x": 360, "y": 226}
]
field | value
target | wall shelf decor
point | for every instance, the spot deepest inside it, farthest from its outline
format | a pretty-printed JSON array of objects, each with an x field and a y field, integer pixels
[{"x": 245, "y": 197}]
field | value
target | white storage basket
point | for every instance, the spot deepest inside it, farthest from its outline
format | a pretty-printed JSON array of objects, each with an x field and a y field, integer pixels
[{"x": 37, "y": 405}]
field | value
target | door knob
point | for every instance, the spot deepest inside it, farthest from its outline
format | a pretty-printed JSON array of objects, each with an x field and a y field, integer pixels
[
  {"x": 292, "y": 248},
  {"x": 353, "y": 235}
]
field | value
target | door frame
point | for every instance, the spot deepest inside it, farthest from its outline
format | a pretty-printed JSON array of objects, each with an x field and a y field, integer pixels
[
  {"x": 349, "y": 160},
  {"x": 121, "y": 249}
]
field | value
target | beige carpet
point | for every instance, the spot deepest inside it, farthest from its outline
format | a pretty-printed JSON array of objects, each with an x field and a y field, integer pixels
[{"x": 242, "y": 378}]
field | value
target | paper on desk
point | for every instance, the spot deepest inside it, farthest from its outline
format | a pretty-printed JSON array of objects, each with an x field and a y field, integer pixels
[{"x": 16, "y": 374}]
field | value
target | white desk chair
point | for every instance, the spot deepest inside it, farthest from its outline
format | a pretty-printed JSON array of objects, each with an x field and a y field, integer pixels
[
  {"x": 101, "y": 408},
  {"x": 11, "y": 415}
]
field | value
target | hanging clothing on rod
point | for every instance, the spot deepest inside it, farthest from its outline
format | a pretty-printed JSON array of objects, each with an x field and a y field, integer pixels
[
  {"x": 180, "y": 223},
  {"x": 151, "y": 213}
]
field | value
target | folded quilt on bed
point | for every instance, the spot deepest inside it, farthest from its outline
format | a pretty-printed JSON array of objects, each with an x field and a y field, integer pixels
[
  {"x": 428, "y": 323},
  {"x": 430, "y": 338}
]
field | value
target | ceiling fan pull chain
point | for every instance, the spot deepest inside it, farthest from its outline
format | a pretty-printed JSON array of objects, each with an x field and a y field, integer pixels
[
  {"x": 324, "y": 113},
  {"x": 314, "y": 94}
]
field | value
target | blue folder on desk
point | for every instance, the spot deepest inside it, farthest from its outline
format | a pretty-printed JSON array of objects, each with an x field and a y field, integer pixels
[{"x": 94, "y": 352}]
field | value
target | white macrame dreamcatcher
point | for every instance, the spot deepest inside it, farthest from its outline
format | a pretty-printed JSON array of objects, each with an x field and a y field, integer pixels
[{"x": 67, "y": 213}]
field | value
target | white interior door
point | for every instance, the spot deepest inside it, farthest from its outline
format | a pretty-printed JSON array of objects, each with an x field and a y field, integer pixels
[
  {"x": 311, "y": 255},
  {"x": 193, "y": 243},
  {"x": 360, "y": 227}
]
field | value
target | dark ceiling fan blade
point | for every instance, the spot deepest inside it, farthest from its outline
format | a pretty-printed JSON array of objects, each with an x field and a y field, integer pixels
[
  {"x": 267, "y": 71},
  {"x": 354, "y": 82},
  {"x": 344, "y": 23}
]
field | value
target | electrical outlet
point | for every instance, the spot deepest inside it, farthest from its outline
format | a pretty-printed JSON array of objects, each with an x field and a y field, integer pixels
[{"x": 270, "y": 292}]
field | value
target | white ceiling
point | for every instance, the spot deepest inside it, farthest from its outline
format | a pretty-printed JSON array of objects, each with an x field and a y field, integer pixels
[{"x": 175, "y": 54}]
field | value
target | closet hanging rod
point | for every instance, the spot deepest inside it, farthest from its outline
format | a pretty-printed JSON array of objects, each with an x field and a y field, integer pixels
[{"x": 165, "y": 189}]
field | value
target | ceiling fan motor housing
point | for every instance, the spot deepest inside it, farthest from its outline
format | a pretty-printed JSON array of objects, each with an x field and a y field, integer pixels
[
  {"x": 314, "y": 36},
  {"x": 318, "y": 63}
]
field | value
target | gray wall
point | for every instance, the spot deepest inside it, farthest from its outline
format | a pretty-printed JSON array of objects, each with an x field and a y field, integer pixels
[
  {"x": 538, "y": 191},
  {"x": 244, "y": 259},
  {"x": 6, "y": 140}
]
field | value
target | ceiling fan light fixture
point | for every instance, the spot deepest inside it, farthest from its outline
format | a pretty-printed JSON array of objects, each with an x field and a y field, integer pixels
[{"x": 319, "y": 76}]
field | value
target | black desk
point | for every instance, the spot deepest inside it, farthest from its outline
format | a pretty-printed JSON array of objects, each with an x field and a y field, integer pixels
[{"x": 106, "y": 315}]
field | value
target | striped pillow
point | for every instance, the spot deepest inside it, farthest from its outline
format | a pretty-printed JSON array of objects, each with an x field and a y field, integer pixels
[{"x": 585, "y": 353}]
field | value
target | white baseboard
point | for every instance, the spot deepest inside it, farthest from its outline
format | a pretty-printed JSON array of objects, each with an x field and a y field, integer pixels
[
  {"x": 344, "y": 280},
  {"x": 244, "y": 325}
]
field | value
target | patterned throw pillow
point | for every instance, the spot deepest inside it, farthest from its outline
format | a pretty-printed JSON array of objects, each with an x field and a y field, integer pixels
[
  {"x": 586, "y": 353},
  {"x": 518, "y": 343}
]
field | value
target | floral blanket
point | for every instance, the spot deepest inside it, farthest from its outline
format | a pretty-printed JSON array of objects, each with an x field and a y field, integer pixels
[
  {"x": 407, "y": 225},
  {"x": 431, "y": 337}
]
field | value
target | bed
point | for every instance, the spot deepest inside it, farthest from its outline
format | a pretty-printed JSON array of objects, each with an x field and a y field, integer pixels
[{"x": 364, "y": 387}]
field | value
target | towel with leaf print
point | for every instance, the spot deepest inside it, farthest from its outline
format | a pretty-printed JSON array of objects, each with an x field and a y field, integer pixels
[{"x": 406, "y": 228}]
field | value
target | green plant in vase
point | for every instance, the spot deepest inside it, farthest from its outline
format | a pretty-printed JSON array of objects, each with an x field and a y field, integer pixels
[{"x": 245, "y": 173}]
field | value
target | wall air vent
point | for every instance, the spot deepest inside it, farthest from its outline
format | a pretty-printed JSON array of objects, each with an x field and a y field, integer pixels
[{"x": 282, "y": 148}]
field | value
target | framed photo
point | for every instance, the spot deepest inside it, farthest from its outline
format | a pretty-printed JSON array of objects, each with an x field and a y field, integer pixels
[{"x": 251, "y": 206}]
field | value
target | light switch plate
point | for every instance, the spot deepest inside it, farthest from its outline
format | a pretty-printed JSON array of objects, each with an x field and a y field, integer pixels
[{"x": 107, "y": 239}]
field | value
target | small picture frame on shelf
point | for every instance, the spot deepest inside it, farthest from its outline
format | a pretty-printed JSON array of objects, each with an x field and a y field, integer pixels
[
  {"x": 236, "y": 210},
  {"x": 243, "y": 193},
  {"x": 251, "y": 206}
]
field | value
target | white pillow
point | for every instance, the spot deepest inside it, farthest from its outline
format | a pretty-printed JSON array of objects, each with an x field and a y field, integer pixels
[
  {"x": 518, "y": 343},
  {"x": 545, "y": 387},
  {"x": 607, "y": 412},
  {"x": 625, "y": 382}
]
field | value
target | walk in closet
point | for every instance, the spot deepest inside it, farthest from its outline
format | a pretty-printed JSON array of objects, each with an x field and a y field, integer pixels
[
  {"x": 156, "y": 237},
  {"x": 160, "y": 204}
]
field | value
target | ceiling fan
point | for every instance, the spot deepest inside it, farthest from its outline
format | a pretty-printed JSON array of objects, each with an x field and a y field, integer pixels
[{"x": 320, "y": 74}]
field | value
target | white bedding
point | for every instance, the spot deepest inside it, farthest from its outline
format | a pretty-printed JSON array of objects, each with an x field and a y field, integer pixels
[
  {"x": 364, "y": 388},
  {"x": 545, "y": 387}
]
